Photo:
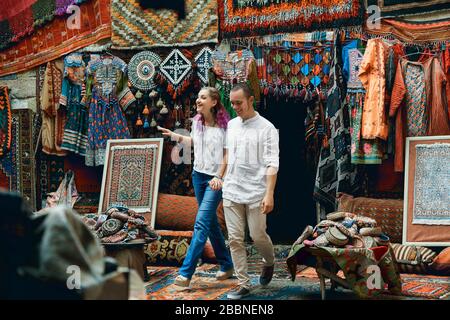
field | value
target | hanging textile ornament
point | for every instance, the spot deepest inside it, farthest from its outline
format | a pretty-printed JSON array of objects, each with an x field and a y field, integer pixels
[
  {"x": 146, "y": 125},
  {"x": 160, "y": 103},
  {"x": 145, "y": 111},
  {"x": 203, "y": 61},
  {"x": 295, "y": 69},
  {"x": 297, "y": 57},
  {"x": 142, "y": 70},
  {"x": 138, "y": 95},
  {"x": 139, "y": 122},
  {"x": 176, "y": 68},
  {"x": 153, "y": 94},
  {"x": 153, "y": 123},
  {"x": 164, "y": 110}
]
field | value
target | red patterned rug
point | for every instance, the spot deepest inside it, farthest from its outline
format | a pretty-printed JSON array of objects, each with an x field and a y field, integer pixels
[
  {"x": 413, "y": 285},
  {"x": 424, "y": 286},
  {"x": 55, "y": 39}
]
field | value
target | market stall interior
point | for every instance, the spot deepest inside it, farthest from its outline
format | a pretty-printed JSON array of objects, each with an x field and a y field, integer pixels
[{"x": 362, "y": 110}]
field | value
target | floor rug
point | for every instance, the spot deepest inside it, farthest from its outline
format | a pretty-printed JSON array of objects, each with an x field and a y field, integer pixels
[
  {"x": 413, "y": 285},
  {"x": 253, "y": 18},
  {"x": 424, "y": 286}
]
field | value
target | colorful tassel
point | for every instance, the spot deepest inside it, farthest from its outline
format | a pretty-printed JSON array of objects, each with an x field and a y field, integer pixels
[
  {"x": 139, "y": 122},
  {"x": 146, "y": 111},
  {"x": 146, "y": 125}
]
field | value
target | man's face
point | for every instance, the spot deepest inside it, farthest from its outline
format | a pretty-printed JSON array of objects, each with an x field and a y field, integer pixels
[{"x": 240, "y": 103}]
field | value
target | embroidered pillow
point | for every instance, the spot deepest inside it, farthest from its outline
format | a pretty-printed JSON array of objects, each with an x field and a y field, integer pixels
[{"x": 413, "y": 259}]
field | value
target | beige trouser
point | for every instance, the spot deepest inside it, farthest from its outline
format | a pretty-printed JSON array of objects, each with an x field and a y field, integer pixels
[{"x": 236, "y": 217}]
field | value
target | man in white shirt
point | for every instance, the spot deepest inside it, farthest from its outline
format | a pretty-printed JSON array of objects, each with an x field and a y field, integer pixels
[{"x": 248, "y": 189}]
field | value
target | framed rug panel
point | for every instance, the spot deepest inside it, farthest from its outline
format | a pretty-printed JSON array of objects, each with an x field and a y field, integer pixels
[
  {"x": 426, "y": 218},
  {"x": 131, "y": 175}
]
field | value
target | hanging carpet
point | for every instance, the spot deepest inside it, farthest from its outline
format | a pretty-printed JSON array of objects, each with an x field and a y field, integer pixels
[
  {"x": 411, "y": 31},
  {"x": 240, "y": 18},
  {"x": 5, "y": 121},
  {"x": 56, "y": 39},
  {"x": 142, "y": 70},
  {"x": 136, "y": 28},
  {"x": 20, "y": 18},
  {"x": 397, "y": 8}
]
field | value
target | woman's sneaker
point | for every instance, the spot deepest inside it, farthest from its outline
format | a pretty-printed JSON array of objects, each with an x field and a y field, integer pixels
[
  {"x": 224, "y": 275},
  {"x": 238, "y": 294},
  {"x": 182, "y": 283}
]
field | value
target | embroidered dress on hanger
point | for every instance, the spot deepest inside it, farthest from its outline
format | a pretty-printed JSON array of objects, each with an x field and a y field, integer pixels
[
  {"x": 53, "y": 117},
  {"x": 108, "y": 94},
  {"x": 363, "y": 151},
  {"x": 72, "y": 98},
  {"x": 416, "y": 117}
]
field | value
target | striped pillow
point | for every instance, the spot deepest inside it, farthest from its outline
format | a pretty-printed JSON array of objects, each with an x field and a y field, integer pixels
[{"x": 413, "y": 259}]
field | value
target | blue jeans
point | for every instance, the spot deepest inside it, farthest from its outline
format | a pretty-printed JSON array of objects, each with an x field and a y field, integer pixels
[{"x": 206, "y": 225}]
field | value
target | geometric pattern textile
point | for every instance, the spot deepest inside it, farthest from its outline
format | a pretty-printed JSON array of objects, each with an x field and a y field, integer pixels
[
  {"x": 293, "y": 68},
  {"x": 398, "y": 8},
  {"x": 5, "y": 121},
  {"x": 416, "y": 100},
  {"x": 175, "y": 67},
  {"x": 239, "y": 18},
  {"x": 18, "y": 19},
  {"x": 203, "y": 61},
  {"x": 142, "y": 70},
  {"x": 133, "y": 168},
  {"x": 56, "y": 39},
  {"x": 136, "y": 28},
  {"x": 432, "y": 184}
]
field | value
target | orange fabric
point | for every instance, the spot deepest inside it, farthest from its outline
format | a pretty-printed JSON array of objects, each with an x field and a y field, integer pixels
[
  {"x": 438, "y": 120},
  {"x": 446, "y": 65},
  {"x": 56, "y": 39},
  {"x": 373, "y": 77}
]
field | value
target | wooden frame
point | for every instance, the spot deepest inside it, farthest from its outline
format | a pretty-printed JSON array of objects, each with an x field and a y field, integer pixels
[
  {"x": 420, "y": 234},
  {"x": 135, "y": 186}
]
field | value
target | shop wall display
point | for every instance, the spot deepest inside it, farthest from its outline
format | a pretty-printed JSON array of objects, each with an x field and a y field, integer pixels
[
  {"x": 427, "y": 191},
  {"x": 136, "y": 28},
  {"x": 396, "y": 8},
  {"x": 413, "y": 32},
  {"x": 18, "y": 165},
  {"x": 20, "y": 18},
  {"x": 240, "y": 18},
  {"x": 5, "y": 121},
  {"x": 131, "y": 175},
  {"x": 56, "y": 39}
]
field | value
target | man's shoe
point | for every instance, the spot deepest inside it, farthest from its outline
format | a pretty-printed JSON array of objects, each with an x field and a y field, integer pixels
[
  {"x": 238, "y": 294},
  {"x": 266, "y": 275},
  {"x": 224, "y": 275},
  {"x": 182, "y": 283}
]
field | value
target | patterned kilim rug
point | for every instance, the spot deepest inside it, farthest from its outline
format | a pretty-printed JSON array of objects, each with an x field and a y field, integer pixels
[
  {"x": 240, "y": 18},
  {"x": 424, "y": 286},
  {"x": 397, "y": 8},
  {"x": 20, "y": 18},
  {"x": 136, "y": 28},
  {"x": 58, "y": 38},
  {"x": 306, "y": 285}
]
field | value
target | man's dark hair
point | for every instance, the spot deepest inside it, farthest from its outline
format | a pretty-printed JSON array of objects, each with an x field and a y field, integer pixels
[{"x": 244, "y": 87}]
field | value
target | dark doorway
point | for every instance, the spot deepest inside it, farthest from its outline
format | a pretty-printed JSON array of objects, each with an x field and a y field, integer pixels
[{"x": 294, "y": 205}]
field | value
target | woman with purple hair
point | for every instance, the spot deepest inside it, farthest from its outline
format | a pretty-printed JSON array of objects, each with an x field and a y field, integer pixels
[{"x": 208, "y": 138}]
